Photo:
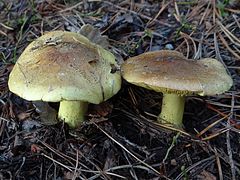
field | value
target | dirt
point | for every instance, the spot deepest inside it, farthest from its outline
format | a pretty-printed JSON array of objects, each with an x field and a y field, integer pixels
[{"x": 121, "y": 138}]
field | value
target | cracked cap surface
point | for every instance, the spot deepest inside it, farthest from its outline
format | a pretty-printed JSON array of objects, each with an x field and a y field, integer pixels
[
  {"x": 64, "y": 65},
  {"x": 170, "y": 72}
]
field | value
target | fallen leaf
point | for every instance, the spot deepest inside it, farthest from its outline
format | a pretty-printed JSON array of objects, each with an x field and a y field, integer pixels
[
  {"x": 205, "y": 175},
  {"x": 35, "y": 148},
  {"x": 24, "y": 115}
]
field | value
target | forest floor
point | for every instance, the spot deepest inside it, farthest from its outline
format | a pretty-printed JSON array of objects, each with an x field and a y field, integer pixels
[{"x": 120, "y": 138}]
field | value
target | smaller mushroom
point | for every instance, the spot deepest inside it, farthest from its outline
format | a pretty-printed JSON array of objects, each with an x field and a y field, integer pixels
[{"x": 176, "y": 76}]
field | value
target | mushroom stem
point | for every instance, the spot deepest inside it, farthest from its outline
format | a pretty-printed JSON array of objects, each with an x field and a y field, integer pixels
[
  {"x": 172, "y": 109},
  {"x": 72, "y": 112}
]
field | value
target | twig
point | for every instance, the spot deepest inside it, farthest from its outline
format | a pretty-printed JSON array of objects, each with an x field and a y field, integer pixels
[
  {"x": 218, "y": 164},
  {"x": 132, "y": 171},
  {"x": 158, "y": 14},
  {"x": 76, "y": 167},
  {"x": 229, "y": 150}
]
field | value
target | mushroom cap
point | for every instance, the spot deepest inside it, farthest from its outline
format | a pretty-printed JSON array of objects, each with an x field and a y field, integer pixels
[
  {"x": 64, "y": 65},
  {"x": 170, "y": 72}
]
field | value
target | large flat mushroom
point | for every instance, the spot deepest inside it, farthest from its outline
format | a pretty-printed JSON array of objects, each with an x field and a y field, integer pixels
[
  {"x": 175, "y": 76},
  {"x": 65, "y": 67}
]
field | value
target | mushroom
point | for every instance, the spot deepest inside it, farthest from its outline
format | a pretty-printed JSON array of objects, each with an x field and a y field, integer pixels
[
  {"x": 65, "y": 67},
  {"x": 176, "y": 76}
]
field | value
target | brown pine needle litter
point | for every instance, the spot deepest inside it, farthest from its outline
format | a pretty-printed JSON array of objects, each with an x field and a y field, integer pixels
[{"x": 121, "y": 138}]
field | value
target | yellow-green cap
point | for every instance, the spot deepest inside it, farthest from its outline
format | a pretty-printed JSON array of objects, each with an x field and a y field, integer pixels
[
  {"x": 170, "y": 72},
  {"x": 64, "y": 65}
]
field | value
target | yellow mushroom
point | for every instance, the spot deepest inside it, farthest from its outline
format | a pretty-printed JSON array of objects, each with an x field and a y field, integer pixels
[
  {"x": 65, "y": 67},
  {"x": 176, "y": 76}
]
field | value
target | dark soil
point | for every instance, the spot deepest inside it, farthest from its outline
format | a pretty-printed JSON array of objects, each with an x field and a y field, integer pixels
[{"x": 121, "y": 139}]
